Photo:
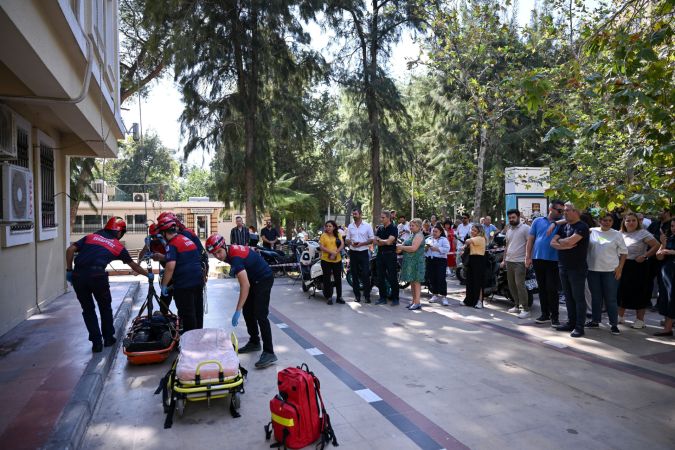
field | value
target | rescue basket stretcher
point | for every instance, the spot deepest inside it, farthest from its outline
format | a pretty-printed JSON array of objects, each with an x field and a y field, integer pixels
[{"x": 206, "y": 369}]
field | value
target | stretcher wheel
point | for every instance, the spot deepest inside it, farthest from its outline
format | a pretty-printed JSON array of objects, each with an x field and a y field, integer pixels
[
  {"x": 180, "y": 406},
  {"x": 236, "y": 400}
]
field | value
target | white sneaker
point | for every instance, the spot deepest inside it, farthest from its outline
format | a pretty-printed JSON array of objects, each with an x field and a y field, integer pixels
[
  {"x": 434, "y": 299},
  {"x": 445, "y": 302},
  {"x": 524, "y": 315},
  {"x": 621, "y": 319},
  {"x": 515, "y": 309},
  {"x": 479, "y": 305},
  {"x": 639, "y": 324}
]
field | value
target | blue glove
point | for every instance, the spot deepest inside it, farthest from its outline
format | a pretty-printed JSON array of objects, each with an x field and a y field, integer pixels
[
  {"x": 69, "y": 276},
  {"x": 235, "y": 318},
  {"x": 151, "y": 277},
  {"x": 165, "y": 291}
]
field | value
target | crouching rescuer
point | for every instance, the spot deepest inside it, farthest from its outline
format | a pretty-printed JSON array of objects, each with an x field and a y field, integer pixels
[
  {"x": 255, "y": 285},
  {"x": 90, "y": 279}
]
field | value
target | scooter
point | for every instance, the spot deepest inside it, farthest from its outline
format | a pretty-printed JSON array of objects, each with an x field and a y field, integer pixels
[{"x": 310, "y": 268}]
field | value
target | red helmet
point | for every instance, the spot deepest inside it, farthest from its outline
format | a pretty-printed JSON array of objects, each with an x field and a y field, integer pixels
[
  {"x": 214, "y": 242},
  {"x": 179, "y": 224},
  {"x": 167, "y": 223},
  {"x": 152, "y": 229},
  {"x": 116, "y": 224}
]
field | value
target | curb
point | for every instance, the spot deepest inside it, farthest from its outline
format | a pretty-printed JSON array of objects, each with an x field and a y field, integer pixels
[{"x": 74, "y": 420}]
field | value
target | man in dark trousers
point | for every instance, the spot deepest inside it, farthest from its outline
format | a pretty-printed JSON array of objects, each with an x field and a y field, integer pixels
[
  {"x": 571, "y": 241},
  {"x": 184, "y": 268},
  {"x": 270, "y": 235},
  {"x": 359, "y": 237},
  {"x": 255, "y": 285},
  {"x": 94, "y": 252},
  {"x": 239, "y": 234},
  {"x": 385, "y": 240}
]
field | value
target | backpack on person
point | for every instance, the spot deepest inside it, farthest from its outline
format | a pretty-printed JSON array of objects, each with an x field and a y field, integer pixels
[{"x": 299, "y": 417}]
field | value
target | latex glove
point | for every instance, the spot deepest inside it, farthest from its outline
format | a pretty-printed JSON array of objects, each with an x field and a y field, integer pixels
[
  {"x": 165, "y": 291},
  {"x": 69, "y": 276},
  {"x": 151, "y": 277},
  {"x": 235, "y": 317}
]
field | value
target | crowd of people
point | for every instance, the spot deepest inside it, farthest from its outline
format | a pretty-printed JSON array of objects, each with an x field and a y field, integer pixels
[{"x": 611, "y": 262}]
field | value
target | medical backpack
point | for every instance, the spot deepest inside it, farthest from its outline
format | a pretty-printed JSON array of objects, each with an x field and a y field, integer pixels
[{"x": 299, "y": 417}]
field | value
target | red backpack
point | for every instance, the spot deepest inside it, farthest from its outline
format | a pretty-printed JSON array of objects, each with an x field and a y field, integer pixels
[{"x": 299, "y": 417}]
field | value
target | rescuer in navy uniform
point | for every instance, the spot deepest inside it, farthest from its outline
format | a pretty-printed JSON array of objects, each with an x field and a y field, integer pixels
[
  {"x": 255, "y": 285},
  {"x": 94, "y": 252},
  {"x": 184, "y": 268}
]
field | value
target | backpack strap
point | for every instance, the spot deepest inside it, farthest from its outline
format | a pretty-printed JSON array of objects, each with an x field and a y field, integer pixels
[
  {"x": 283, "y": 441},
  {"x": 327, "y": 433},
  {"x": 164, "y": 389}
]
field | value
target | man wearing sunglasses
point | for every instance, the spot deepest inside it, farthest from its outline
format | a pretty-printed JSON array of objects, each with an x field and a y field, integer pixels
[{"x": 544, "y": 258}]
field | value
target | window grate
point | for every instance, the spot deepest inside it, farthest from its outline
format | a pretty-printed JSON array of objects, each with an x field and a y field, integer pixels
[
  {"x": 47, "y": 186},
  {"x": 22, "y": 160}
]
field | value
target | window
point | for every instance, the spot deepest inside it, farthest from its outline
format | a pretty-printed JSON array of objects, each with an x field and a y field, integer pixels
[{"x": 47, "y": 202}]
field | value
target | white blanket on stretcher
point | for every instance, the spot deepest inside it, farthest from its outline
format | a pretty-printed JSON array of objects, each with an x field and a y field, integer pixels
[{"x": 197, "y": 346}]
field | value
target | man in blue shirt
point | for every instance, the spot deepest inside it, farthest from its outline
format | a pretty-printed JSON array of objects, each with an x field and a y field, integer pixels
[
  {"x": 255, "y": 285},
  {"x": 94, "y": 252},
  {"x": 489, "y": 228},
  {"x": 184, "y": 268},
  {"x": 545, "y": 260}
]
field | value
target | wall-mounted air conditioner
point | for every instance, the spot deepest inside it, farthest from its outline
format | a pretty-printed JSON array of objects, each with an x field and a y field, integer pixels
[
  {"x": 140, "y": 196},
  {"x": 17, "y": 198},
  {"x": 7, "y": 134}
]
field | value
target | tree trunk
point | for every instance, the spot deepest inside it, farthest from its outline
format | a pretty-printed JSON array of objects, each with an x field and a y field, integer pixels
[
  {"x": 374, "y": 119},
  {"x": 480, "y": 167}
]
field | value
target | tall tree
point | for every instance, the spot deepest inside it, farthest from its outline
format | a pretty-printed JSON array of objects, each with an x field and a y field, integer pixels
[
  {"x": 82, "y": 174},
  {"x": 232, "y": 60},
  {"x": 369, "y": 29}
]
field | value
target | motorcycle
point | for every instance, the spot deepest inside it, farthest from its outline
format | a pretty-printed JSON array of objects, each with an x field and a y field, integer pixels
[{"x": 279, "y": 261}]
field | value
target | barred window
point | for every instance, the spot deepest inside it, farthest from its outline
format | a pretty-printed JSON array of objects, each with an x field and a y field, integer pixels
[{"x": 47, "y": 186}]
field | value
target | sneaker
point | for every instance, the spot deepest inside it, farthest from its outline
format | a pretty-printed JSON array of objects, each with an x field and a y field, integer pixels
[
  {"x": 266, "y": 359},
  {"x": 479, "y": 305},
  {"x": 415, "y": 307},
  {"x": 329, "y": 302},
  {"x": 524, "y": 315},
  {"x": 250, "y": 347},
  {"x": 577, "y": 333},
  {"x": 566, "y": 327},
  {"x": 614, "y": 330},
  {"x": 639, "y": 324},
  {"x": 394, "y": 303},
  {"x": 621, "y": 320},
  {"x": 555, "y": 323},
  {"x": 515, "y": 309},
  {"x": 381, "y": 302},
  {"x": 444, "y": 302},
  {"x": 340, "y": 301},
  {"x": 591, "y": 324},
  {"x": 434, "y": 299},
  {"x": 97, "y": 347},
  {"x": 542, "y": 319},
  {"x": 109, "y": 342}
]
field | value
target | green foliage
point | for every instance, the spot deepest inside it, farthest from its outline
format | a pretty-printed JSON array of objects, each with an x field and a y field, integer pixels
[{"x": 197, "y": 182}]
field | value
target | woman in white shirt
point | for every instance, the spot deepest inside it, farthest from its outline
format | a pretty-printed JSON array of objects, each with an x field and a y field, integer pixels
[
  {"x": 635, "y": 287},
  {"x": 606, "y": 257},
  {"x": 437, "y": 249}
]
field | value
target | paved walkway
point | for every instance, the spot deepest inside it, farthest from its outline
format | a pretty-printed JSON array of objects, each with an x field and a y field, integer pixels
[
  {"x": 41, "y": 361},
  {"x": 443, "y": 377}
]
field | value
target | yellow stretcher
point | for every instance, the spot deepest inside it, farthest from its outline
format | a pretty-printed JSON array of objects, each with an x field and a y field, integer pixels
[{"x": 176, "y": 393}]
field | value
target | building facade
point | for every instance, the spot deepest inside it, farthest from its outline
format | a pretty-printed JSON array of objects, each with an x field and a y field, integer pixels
[
  {"x": 203, "y": 216},
  {"x": 59, "y": 98}
]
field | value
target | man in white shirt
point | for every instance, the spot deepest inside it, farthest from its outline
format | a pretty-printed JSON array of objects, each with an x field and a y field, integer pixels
[
  {"x": 514, "y": 260},
  {"x": 463, "y": 231},
  {"x": 403, "y": 228},
  {"x": 359, "y": 237}
]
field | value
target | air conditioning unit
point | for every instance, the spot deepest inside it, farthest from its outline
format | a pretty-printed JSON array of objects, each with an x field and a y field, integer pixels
[
  {"x": 17, "y": 199},
  {"x": 7, "y": 134},
  {"x": 140, "y": 196}
]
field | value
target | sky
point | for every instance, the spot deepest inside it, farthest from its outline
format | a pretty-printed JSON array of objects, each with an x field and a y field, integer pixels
[{"x": 160, "y": 111}]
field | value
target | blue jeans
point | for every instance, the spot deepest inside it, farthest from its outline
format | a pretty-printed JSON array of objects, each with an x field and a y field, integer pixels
[
  {"x": 573, "y": 282},
  {"x": 603, "y": 287}
]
